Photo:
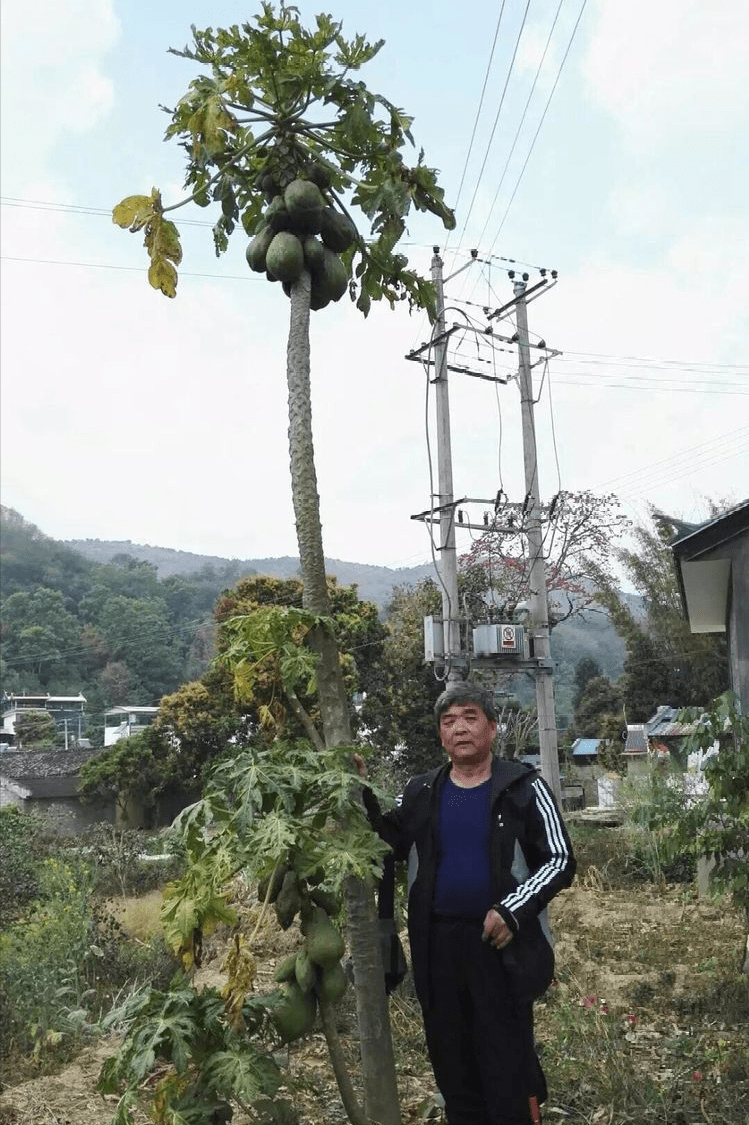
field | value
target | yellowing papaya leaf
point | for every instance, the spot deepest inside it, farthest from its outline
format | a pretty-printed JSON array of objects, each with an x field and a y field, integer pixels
[
  {"x": 210, "y": 122},
  {"x": 162, "y": 240},
  {"x": 162, "y": 275},
  {"x": 267, "y": 718},
  {"x": 241, "y": 967},
  {"x": 134, "y": 211}
]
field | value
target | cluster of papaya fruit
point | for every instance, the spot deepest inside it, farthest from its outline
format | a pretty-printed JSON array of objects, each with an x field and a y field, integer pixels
[
  {"x": 300, "y": 229},
  {"x": 313, "y": 973}
]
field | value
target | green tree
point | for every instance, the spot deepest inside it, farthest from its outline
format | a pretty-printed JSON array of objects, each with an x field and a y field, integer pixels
[
  {"x": 31, "y": 559},
  {"x": 135, "y": 768},
  {"x": 599, "y": 701},
  {"x": 279, "y": 108},
  {"x": 398, "y": 710},
  {"x": 138, "y": 634},
  {"x": 586, "y": 670},
  {"x": 35, "y": 730},
  {"x": 359, "y": 635},
  {"x": 41, "y": 636},
  {"x": 666, "y": 663},
  {"x": 716, "y": 825},
  {"x": 201, "y": 720}
]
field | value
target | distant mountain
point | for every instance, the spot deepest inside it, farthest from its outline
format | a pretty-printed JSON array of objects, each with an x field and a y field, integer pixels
[
  {"x": 592, "y": 636},
  {"x": 374, "y": 583}
]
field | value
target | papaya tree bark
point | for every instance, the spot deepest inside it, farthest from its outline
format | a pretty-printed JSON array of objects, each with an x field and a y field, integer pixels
[{"x": 377, "y": 1059}]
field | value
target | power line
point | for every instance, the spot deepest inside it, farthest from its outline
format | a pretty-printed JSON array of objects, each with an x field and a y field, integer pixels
[
  {"x": 79, "y": 209},
  {"x": 628, "y": 360},
  {"x": 540, "y": 124},
  {"x": 642, "y": 383},
  {"x": 496, "y": 119},
  {"x": 478, "y": 111},
  {"x": 132, "y": 269},
  {"x": 686, "y": 453},
  {"x": 522, "y": 121}
]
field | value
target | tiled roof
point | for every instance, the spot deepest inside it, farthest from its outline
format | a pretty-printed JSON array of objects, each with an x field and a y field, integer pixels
[{"x": 28, "y": 764}]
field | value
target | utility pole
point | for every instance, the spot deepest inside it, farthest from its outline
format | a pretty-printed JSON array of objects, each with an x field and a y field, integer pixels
[
  {"x": 448, "y": 567},
  {"x": 443, "y": 512},
  {"x": 539, "y": 602}
]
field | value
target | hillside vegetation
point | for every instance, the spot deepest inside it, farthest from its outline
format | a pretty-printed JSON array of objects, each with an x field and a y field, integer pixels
[{"x": 127, "y": 623}]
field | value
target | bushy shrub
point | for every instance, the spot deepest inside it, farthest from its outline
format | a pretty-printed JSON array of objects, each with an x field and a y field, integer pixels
[
  {"x": 21, "y": 849},
  {"x": 43, "y": 958}
]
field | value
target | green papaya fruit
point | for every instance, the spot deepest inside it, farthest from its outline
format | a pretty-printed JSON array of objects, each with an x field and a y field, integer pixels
[
  {"x": 276, "y": 216},
  {"x": 331, "y": 984},
  {"x": 285, "y": 970},
  {"x": 289, "y": 900},
  {"x": 295, "y": 1015},
  {"x": 319, "y": 297},
  {"x": 324, "y": 943},
  {"x": 285, "y": 257},
  {"x": 333, "y": 275},
  {"x": 320, "y": 175},
  {"x": 330, "y": 903},
  {"x": 305, "y": 204},
  {"x": 336, "y": 230},
  {"x": 304, "y": 971},
  {"x": 274, "y": 881},
  {"x": 258, "y": 248},
  {"x": 314, "y": 253}
]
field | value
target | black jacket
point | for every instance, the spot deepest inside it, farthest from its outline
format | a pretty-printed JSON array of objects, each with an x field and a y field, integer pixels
[{"x": 531, "y": 860}]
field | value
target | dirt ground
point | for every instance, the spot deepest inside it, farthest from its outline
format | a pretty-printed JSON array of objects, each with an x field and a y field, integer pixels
[{"x": 646, "y": 962}]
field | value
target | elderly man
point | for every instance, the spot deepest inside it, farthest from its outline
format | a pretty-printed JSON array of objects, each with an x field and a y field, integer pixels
[{"x": 487, "y": 851}]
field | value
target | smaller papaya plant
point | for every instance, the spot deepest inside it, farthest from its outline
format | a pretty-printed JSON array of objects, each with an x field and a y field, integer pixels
[
  {"x": 285, "y": 816},
  {"x": 288, "y": 818}
]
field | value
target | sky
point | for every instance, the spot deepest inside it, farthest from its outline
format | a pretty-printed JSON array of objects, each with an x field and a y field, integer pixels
[{"x": 606, "y": 141}]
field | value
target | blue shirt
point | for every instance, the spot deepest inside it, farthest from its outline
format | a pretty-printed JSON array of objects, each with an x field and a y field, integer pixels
[{"x": 463, "y": 886}]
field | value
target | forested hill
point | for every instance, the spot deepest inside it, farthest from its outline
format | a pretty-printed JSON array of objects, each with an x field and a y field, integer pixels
[
  {"x": 123, "y": 622},
  {"x": 374, "y": 583}
]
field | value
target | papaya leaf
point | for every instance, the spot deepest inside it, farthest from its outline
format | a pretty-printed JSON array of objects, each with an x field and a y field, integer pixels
[
  {"x": 243, "y": 1073},
  {"x": 163, "y": 276},
  {"x": 241, "y": 969},
  {"x": 134, "y": 212}
]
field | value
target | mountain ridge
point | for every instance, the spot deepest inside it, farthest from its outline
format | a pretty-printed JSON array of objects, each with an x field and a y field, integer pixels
[{"x": 374, "y": 583}]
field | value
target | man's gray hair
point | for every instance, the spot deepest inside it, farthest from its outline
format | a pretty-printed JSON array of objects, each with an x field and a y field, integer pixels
[{"x": 463, "y": 693}]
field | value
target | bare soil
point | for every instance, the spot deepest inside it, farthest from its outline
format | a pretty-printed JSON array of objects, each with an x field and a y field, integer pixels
[{"x": 647, "y": 987}]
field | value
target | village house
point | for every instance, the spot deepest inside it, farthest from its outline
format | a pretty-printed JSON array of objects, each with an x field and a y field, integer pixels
[
  {"x": 46, "y": 783},
  {"x": 121, "y": 722},
  {"x": 68, "y": 711},
  {"x": 712, "y": 567}
]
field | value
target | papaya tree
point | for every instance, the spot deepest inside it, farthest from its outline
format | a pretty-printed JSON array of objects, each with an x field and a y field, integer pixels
[{"x": 282, "y": 137}]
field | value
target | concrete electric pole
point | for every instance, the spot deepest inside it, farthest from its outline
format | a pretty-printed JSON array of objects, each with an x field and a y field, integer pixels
[
  {"x": 448, "y": 649},
  {"x": 448, "y": 566},
  {"x": 539, "y": 602}
]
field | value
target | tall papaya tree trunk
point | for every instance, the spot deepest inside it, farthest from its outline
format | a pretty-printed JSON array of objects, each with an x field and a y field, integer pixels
[{"x": 377, "y": 1060}]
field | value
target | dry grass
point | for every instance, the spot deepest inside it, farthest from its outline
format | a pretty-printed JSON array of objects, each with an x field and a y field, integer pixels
[
  {"x": 646, "y": 1024},
  {"x": 139, "y": 917}
]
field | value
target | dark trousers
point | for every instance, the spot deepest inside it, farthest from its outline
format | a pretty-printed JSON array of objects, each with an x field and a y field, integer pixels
[{"x": 480, "y": 1041}]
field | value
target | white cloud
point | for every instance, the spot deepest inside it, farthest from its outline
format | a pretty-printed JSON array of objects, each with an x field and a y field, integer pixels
[
  {"x": 669, "y": 68},
  {"x": 52, "y": 51}
]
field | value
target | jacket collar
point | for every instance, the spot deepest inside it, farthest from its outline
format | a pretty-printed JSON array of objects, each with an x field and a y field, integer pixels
[{"x": 504, "y": 774}]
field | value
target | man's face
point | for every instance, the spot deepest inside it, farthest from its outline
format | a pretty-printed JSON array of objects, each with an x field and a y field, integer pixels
[{"x": 466, "y": 733}]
